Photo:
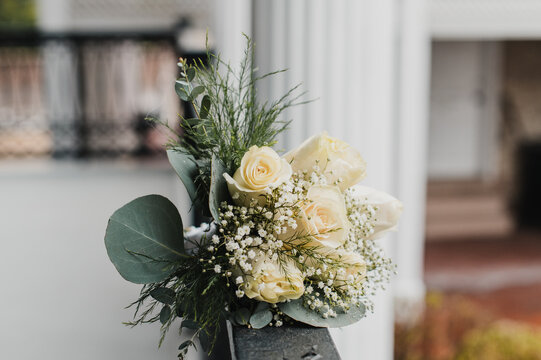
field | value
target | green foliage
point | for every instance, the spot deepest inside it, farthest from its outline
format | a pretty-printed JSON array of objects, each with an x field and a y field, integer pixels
[
  {"x": 186, "y": 169},
  {"x": 218, "y": 188},
  {"x": 502, "y": 341},
  {"x": 144, "y": 239},
  {"x": 230, "y": 119},
  {"x": 17, "y": 14},
  {"x": 163, "y": 295},
  {"x": 297, "y": 311},
  {"x": 165, "y": 314},
  {"x": 261, "y": 316},
  {"x": 242, "y": 316},
  {"x": 199, "y": 298}
]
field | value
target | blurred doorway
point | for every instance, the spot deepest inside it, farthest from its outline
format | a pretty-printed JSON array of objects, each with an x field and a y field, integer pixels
[
  {"x": 466, "y": 196},
  {"x": 484, "y": 139}
]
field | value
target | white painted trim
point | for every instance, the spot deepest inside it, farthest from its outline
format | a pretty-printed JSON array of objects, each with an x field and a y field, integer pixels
[{"x": 485, "y": 19}]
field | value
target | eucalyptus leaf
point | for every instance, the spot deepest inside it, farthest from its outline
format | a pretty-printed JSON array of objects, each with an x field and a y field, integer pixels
[
  {"x": 183, "y": 91},
  {"x": 165, "y": 314},
  {"x": 205, "y": 107},
  {"x": 180, "y": 309},
  {"x": 186, "y": 169},
  {"x": 297, "y": 311},
  {"x": 242, "y": 316},
  {"x": 185, "y": 344},
  {"x": 260, "y": 319},
  {"x": 190, "y": 73},
  {"x": 189, "y": 324},
  {"x": 198, "y": 90},
  {"x": 144, "y": 238},
  {"x": 218, "y": 188},
  {"x": 261, "y": 306},
  {"x": 163, "y": 295}
]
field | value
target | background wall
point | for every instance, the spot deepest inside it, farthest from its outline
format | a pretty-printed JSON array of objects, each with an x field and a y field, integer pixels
[
  {"x": 62, "y": 297},
  {"x": 465, "y": 109},
  {"x": 364, "y": 62}
]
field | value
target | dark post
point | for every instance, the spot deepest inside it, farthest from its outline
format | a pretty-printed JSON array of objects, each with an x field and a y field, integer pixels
[{"x": 282, "y": 343}]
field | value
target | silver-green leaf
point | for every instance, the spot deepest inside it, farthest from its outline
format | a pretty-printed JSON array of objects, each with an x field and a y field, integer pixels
[
  {"x": 165, "y": 314},
  {"x": 242, "y": 316},
  {"x": 186, "y": 169},
  {"x": 144, "y": 238},
  {"x": 205, "y": 107},
  {"x": 198, "y": 90},
  {"x": 183, "y": 90},
  {"x": 163, "y": 295},
  {"x": 297, "y": 311},
  {"x": 218, "y": 187},
  {"x": 261, "y": 317}
]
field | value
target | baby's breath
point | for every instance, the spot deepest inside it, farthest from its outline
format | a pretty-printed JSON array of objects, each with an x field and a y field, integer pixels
[{"x": 268, "y": 228}]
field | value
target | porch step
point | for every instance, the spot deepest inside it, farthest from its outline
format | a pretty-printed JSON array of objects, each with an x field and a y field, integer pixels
[{"x": 458, "y": 210}]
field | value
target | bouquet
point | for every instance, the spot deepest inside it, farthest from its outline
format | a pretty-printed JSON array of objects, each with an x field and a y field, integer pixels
[{"x": 288, "y": 238}]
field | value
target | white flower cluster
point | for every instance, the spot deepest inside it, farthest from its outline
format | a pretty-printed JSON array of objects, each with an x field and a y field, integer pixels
[
  {"x": 256, "y": 234},
  {"x": 299, "y": 228}
]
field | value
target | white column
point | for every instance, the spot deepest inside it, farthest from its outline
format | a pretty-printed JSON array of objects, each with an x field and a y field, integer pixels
[
  {"x": 357, "y": 62},
  {"x": 370, "y": 99},
  {"x": 343, "y": 52},
  {"x": 230, "y": 20},
  {"x": 412, "y": 129}
]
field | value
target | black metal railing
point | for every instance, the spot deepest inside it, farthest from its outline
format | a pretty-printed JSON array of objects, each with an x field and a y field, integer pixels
[{"x": 86, "y": 95}]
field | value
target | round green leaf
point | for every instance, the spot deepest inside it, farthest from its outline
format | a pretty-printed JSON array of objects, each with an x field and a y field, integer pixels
[
  {"x": 297, "y": 311},
  {"x": 186, "y": 169},
  {"x": 165, "y": 314},
  {"x": 143, "y": 239},
  {"x": 205, "y": 107},
  {"x": 183, "y": 91},
  {"x": 185, "y": 344},
  {"x": 198, "y": 90},
  {"x": 260, "y": 319},
  {"x": 242, "y": 316},
  {"x": 190, "y": 324},
  {"x": 163, "y": 295},
  {"x": 190, "y": 73}
]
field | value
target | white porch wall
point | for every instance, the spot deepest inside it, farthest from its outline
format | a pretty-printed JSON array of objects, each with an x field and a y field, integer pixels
[
  {"x": 62, "y": 298},
  {"x": 366, "y": 63}
]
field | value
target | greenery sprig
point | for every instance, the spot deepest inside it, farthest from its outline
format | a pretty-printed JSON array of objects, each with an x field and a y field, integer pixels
[{"x": 229, "y": 119}]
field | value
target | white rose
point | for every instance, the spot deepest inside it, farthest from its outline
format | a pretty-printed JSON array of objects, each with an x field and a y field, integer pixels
[
  {"x": 323, "y": 217},
  {"x": 335, "y": 158},
  {"x": 388, "y": 208},
  {"x": 272, "y": 282},
  {"x": 261, "y": 169}
]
